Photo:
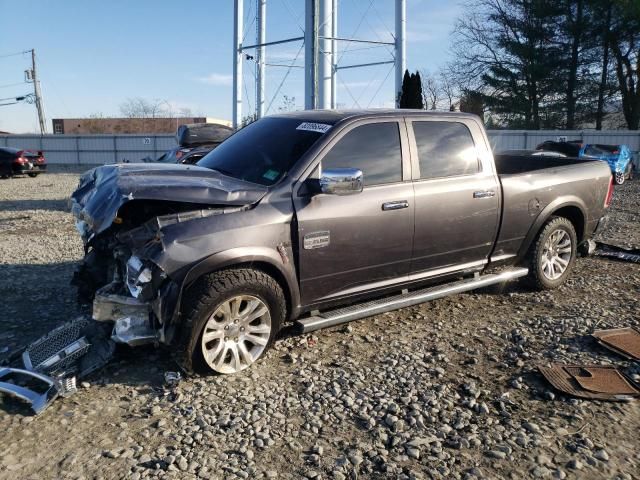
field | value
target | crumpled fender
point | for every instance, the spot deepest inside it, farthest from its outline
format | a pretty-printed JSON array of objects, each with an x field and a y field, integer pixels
[{"x": 103, "y": 190}]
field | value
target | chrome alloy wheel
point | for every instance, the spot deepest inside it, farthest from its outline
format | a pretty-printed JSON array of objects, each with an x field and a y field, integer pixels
[
  {"x": 556, "y": 254},
  {"x": 236, "y": 335},
  {"x": 620, "y": 178}
]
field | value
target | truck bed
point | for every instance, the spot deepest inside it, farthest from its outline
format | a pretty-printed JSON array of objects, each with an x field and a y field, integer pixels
[
  {"x": 531, "y": 183},
  {"x": 509, "y": 164}
]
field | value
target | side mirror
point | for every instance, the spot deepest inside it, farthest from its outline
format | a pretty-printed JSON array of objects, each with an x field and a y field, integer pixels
[{"x": 341, "y": 181}]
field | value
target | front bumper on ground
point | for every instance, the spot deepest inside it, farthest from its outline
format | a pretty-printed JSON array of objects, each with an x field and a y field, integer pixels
[{"x": 50, "y": 366}]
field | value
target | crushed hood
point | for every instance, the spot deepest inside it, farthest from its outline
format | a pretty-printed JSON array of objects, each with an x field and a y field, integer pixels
[{"x": 103, "y": 190}]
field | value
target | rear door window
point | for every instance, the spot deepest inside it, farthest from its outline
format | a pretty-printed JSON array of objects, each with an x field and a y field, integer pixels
[
  {"x": 445, "y": 149},
  {"x": 373, "y": 148}
]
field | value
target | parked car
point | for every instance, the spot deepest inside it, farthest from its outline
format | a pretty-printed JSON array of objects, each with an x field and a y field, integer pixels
[
  {"x": 194, "y": 140},
  {"x": 323, "y": 217},
  {"x": 21, "y": 162},
  {"x": 187, "y": 156},
  {"x": 569, "y": 149},
  {"x": 618, "y": 157}
]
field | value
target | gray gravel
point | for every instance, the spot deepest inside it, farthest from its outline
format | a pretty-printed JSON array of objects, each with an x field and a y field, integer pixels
[{"x": 445, "y": 390}]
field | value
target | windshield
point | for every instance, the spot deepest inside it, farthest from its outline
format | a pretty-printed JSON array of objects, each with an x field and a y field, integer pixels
[{"x": 265, "y": 150}]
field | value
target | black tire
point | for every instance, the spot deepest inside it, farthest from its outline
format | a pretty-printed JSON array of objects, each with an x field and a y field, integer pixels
[
  {"x": 32, "y": 175},
  {"x": 203, "y": 298},
  {"x": 536, "y": 256},
  {"x": 618, "y": 178}
]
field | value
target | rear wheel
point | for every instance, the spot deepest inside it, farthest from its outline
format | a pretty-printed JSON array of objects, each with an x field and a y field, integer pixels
[
  {"x": 553, "y": 254},
  {"x": 32, "y": 175},
  {"x": 619, "y": 178},
  {"x": 231, "y": 318}
]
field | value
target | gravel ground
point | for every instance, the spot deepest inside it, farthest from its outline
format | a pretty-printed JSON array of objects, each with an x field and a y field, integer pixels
[{"x": 447, "y": 389}]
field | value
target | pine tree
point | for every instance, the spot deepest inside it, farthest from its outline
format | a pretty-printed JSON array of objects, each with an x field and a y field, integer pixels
[{"x": 411, "y": 96}]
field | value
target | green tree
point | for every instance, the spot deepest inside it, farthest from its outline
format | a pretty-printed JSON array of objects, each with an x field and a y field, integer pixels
[{"x": 411, "y": 94}]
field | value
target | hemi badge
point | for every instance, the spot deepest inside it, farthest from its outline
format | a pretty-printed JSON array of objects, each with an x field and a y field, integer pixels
[{"x": 316, "y": 240}]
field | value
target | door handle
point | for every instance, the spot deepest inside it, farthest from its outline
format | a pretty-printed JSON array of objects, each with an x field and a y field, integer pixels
[
  {"x": 395, "y": 205},
  {"x": 484, "y": 194}
]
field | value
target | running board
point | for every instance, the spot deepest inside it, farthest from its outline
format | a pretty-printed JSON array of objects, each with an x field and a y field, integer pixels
[{"x": 375, "y": 307}]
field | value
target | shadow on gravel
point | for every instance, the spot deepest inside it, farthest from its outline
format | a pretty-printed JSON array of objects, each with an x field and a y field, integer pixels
[
  {"x": 22, "y": 205},
  {"x": 35, "y": 298}
]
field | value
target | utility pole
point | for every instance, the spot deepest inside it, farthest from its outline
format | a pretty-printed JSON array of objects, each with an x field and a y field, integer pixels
[
  {"x": 400, "y": 46},
  {"x": 36, "y": 92},
  {"x": 237, "y": 63},
  {"x": 260, "y": 64}
]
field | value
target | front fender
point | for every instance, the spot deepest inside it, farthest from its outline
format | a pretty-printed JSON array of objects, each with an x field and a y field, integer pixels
[{"x": 277, "y": 262}]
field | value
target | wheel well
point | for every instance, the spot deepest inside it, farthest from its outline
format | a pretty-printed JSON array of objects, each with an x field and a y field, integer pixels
[
  {"x": 269, "y": 270},
  {"x": 575, "y": 216}
]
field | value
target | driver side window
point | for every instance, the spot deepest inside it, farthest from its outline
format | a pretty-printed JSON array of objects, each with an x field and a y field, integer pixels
[{"x": 373, "y": 148}]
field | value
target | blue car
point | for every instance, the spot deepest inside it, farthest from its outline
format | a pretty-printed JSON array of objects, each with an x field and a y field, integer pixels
[{"x": 617, "y": 156}]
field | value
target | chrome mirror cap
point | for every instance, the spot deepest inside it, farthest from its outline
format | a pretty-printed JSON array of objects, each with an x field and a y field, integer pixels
[{"x": 341, "y": 181}]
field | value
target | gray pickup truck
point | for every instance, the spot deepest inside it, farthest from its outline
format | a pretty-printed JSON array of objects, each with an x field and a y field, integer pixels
[{"x": 320, "y": 218}]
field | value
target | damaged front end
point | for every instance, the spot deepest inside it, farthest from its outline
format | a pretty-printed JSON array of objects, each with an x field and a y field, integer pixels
[{"x": 122, "y": 212}]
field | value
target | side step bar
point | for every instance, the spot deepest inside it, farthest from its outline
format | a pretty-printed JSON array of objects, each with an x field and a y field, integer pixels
[{"x": 375, "y": 307}]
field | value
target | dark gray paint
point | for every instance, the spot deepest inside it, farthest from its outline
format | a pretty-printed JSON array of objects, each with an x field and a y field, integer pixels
[{"x": 370, "y": 250}]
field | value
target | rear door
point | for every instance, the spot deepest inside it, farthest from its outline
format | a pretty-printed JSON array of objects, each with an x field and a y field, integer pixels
[
  {"x": 352, "y": 243},
  {"x": 457, "y": 197}
]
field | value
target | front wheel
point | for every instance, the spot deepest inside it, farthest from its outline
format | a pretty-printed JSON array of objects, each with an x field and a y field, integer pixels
[
  {"x": 619, "y": 178},
  {"x": 553, "y": 254},
  {"x": 32, "y": 175},
  {"x": 231, "y": 318}
]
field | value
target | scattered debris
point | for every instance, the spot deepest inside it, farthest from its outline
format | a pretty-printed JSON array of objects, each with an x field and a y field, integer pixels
[
  {"x": 623, "y": 341},
  {"x": 618, "y": 253},
  {"x": 591, "y": 381},
  {"x": 50, "y": 366},
  {"x": 172, "y": 379}
]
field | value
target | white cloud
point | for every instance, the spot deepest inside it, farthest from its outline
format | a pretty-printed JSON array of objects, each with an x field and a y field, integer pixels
[{"x": 219, "y": 79}]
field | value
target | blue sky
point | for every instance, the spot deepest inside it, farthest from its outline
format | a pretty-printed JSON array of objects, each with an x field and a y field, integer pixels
[{"x": 93, "y": 55}]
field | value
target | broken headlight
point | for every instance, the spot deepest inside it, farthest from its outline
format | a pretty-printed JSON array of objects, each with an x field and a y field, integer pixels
[{"x": 139, "y": 277}]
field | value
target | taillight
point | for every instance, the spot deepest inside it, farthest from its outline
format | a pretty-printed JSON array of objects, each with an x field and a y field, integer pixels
[
  {"x": 609, "y": 197},
  {"x": 20, "y": 161}
]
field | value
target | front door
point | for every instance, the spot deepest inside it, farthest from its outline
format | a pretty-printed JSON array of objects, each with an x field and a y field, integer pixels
[
  {"x": 457, "y": 199},
  {"x": 352, "y": 243}
]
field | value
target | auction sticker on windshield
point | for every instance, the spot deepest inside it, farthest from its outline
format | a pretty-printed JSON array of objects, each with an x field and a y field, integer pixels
[{"x": 314, "y": 127}]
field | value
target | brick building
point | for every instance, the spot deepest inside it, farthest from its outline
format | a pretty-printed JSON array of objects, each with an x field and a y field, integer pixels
[{"x": 75, "y": 126}]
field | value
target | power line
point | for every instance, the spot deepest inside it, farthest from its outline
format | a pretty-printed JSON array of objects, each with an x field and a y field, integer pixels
[
  {"x": 380, "y": 86},
  {"x": 13, "y": 84},
  {"x": 15, "y": 54},
  {"x": 285, "y": 77}
]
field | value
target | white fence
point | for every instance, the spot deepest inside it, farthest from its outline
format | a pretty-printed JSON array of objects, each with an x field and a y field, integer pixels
[
  {"x": 101, "y": 149},
  {"x": 528, "y": 139},
  {"x": 92, "y": 149}
]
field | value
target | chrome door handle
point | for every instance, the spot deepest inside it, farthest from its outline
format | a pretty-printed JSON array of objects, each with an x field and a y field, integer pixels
[
  {"x": 395, "y": 205},
  {"x": 484, "y": 194}
]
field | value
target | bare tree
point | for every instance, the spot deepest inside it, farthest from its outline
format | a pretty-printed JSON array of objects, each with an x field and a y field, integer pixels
[
  {"x": 288, "y": 104},
  {"x": 185, "y": 112},
  {"x": 138, "y": 107},
  {"x": 448, "y": 89},
  {"x": 430, "y": 91}
]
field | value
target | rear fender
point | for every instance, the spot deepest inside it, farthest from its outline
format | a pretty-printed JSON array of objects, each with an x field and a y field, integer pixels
[{"x": 570, "y": 202}]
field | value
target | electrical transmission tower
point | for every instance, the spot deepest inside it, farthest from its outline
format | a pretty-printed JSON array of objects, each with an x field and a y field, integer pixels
[{"x": 320, "y": 54}]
